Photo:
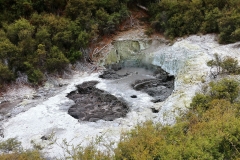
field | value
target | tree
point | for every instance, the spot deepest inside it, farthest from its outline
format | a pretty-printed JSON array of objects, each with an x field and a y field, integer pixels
[
  {"x": 35, "y": 76},
  {"x": 56, "y": 61},
  {"x": 210, "y": 23},
  {"x": 7, "y": 49},
  {"x": 200, "y": 103},
  {"x": 43, "y": 36},
  {"x": 19, "y": 30},
  {"x": 230, "y": 65},
  {"x": 225, "y": 89},
  {"x": 83, "y": 39},
  {"x": 80, "y": 8},
  {"x": 5, "y": 73},
  {"x": 228, "y": 27},
  {"x": 63, "y": 40},
  {"x": 42, "y": 54}
]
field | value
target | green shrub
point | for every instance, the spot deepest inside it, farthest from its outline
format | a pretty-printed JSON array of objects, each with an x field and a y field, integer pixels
[
  {"x": 56, "y": 60},
  {"x": 74, "y": 56},
  {"x": 143, "y": 142},
  {"x": 35, "y": 76},
  {"x": 9, "y": 145},
  {"x": 5, "y": 73},
  {"x": 229, "y": 28},
  {"x": 26, "y": 155},
  {"x": 149, "y": 31},
  {"x": 210, "y": 23},
  {"x": 85, "y": 153},
  {"x": 225, "y": 89},
  {"x": 200, "y": 102},
  {"x": 228, "y": 65},
  {"x": 12, "y": 150}
]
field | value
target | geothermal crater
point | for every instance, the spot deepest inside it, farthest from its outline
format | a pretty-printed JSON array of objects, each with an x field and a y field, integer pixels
[
  {"x": 93, "y": 104},
  {"x": 186, "y": 59}
]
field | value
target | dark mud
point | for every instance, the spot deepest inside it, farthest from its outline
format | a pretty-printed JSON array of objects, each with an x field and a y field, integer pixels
[
  {"x": 111, "y": 74},
  {"x": 92, "y": 104},
  {"x": 159, "y": 89},
  {"x": 160, "y": 86}
]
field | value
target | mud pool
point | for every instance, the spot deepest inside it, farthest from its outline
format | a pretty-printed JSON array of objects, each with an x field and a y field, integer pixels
[{"x": 93, "y": 104}]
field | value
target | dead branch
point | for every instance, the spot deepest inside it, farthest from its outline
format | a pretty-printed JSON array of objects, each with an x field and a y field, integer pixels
[
  {"x": 142, "y": 7},
  {"x": 96, "y": 51},
  {"x": 131, "y": 21}
]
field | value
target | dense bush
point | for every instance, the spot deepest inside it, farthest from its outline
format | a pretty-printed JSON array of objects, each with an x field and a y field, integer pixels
[
  {"x": 177, "y": 18},
  {"x": 48, "y": 35}
]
